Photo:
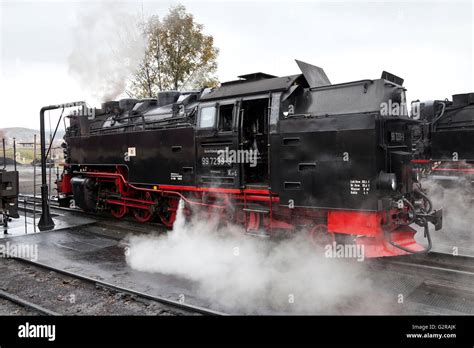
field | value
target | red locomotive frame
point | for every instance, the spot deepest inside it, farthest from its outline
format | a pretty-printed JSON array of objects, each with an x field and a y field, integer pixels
[{"x": 369, "y": 229}]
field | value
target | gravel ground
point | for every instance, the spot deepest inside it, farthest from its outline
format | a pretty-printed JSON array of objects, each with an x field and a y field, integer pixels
[
  {"x": 10, "y": 308},
  {"x": 67, "y": 295}
]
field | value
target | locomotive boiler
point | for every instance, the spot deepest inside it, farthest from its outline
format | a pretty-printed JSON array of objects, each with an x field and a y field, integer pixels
[{"x": 290, "y": 154}]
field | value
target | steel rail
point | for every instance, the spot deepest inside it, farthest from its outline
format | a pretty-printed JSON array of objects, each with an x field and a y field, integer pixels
[
  {"x": 162, "y": 300},
  {"x": 27, "y": 304},
  {"x": 436, "y": 261}
]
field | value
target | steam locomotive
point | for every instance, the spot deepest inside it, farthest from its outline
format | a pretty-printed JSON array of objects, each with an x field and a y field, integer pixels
[
  {"x": 274, "y": 154},
  {"x": 444, "y": 145}
]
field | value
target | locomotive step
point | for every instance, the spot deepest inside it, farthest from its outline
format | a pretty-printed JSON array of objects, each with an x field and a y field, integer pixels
[
  {"x": 257, "y": 186},
  {"x": 257, "y": 210},
  {"x": 257, "y": 233}
]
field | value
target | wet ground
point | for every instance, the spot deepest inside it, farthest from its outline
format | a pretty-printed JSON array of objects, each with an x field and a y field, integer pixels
[
  {"x": 86, "y": 250},
  {"x": 99, "y": 257},
  {"x": 29, "y": 223}
]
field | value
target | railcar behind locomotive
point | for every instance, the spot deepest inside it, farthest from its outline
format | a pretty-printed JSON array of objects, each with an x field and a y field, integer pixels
[
  {"x": 9, "y": 180},
  {"x": 445, "y": 139},
  {"x": 274, "y": 154}
]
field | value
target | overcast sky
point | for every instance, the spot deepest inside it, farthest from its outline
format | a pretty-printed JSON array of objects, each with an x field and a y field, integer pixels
[{"x": 429, "y": 44}]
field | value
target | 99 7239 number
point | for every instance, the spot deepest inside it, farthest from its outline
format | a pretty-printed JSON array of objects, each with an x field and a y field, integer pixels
[{"x": 214, "y": 161}]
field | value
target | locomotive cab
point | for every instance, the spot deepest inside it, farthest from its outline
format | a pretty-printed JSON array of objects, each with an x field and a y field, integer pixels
[{"x": 232, "y": 138}]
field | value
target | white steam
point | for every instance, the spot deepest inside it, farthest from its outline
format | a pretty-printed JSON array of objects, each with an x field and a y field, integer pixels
[
  {"x": 108, "y": 47},
  {"x": 458, "y": 219},
  {"x": 246, "y": 275}
]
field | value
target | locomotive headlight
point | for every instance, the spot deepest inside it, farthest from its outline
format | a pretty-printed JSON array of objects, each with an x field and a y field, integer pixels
[
  {"x": 393, "y": 183},
  {"x": 387, "y": 181}
]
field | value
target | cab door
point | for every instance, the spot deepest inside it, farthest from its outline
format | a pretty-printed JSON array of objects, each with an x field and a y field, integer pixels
[{"x": 217, "y": 145}]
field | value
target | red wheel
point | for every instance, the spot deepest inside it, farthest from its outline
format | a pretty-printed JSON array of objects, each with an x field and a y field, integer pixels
[
  {"x": 167, "y": 213},
  {"x": 118, "y": 211},
  {"x": 320, "y": 236},
  {"x": 142, "y": 215}
]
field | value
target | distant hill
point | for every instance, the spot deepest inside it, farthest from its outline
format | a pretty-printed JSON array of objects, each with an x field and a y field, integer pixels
[
  {"x": 25, "y": 152},
  {"x": 27, "y": 134}
]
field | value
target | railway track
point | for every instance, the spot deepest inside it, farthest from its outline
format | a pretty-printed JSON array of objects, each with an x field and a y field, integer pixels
[
  {"x": 102, "y": 219},
  {"x": 436, "y": 262},
  {"x": 187, "y": 308},
  {"x": 26, "y": 304},
  {"x": 109, "y": 222}
]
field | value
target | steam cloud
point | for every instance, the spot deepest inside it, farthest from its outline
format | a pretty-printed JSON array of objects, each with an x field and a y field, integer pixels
[
  {"x": 108, "y": 47},
  {"x": 246, "y": 275}
]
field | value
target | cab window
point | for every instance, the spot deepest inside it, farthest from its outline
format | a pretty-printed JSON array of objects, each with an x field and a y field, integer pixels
[{"x": 207, "y": 118}]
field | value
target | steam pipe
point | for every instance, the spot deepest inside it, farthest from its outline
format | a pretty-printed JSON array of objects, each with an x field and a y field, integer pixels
[
  {"x": 423, "y": 251},
  {"x": 433, "y": 124},
  {"x": 46, "y": 222}
]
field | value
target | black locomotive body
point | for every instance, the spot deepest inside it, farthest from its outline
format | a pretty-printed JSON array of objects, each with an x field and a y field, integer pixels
[
  {"x": 445, "y": 139},
  {"x": 9, "y": 190},
  {"x": 271, "y": 153},
  {"x": 8, "y": 194}
]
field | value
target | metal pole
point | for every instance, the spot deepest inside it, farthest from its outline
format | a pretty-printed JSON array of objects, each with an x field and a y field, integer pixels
[
  {"x": 50, "y": 156},
  {"x": 4, "y": 216},
  {"x": 14, "y": 153},
  {"x": 5, "y": 223},
  {"x": 18, "y": 181},
  {"x": 26, "y": 227},
  {"x": 34, "y": 185},
  {"x": 49, "y": 173},
  {"x": 46, "y": 222},
  {"x": 4, "y": 155}
]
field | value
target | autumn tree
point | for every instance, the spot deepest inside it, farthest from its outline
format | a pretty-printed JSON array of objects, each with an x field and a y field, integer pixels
[{"x": 178, "y": 56}]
